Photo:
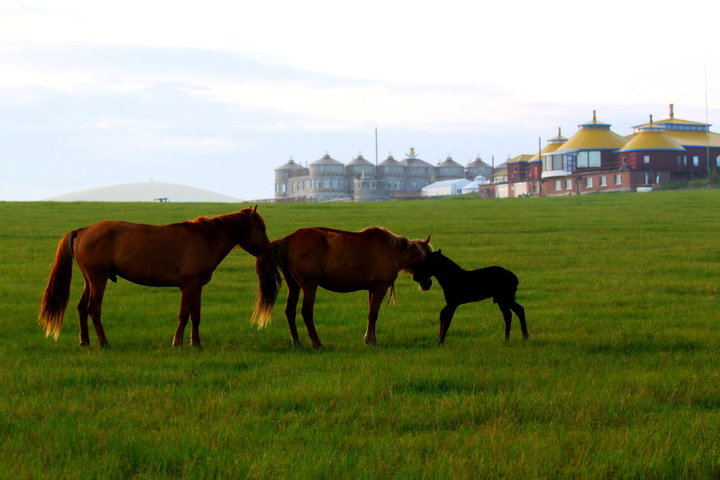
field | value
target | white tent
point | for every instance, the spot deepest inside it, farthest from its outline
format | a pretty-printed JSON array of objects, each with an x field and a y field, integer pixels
[
  {"x": 444, "y": 187},
  {"x": 474, "y": 186}
]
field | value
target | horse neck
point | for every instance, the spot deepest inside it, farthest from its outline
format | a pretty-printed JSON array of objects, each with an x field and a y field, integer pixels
[
  {"x": 221, "y": 232},
  {"x": 445, "y": 269}
]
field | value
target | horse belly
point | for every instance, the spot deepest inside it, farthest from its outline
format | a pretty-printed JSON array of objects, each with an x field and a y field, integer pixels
[{"x": 352, "y": 278}]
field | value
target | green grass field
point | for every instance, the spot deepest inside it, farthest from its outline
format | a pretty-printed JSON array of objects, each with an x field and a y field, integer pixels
[{"x": 620, "y": 377}]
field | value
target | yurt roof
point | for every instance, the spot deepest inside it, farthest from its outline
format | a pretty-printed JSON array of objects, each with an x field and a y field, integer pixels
[{"x": 651, "y": 138}]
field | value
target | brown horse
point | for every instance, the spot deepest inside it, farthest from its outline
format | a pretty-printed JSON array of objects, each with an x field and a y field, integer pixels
[
  {"x": 335, "y": 260},
  {"x": 178, "y": 255}
]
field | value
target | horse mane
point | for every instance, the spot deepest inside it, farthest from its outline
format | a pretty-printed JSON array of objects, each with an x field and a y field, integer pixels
[
  {"x": 396, "y": 241},
  {"x": 443, "y": 261},
  {"x": 213, "y": 228}
]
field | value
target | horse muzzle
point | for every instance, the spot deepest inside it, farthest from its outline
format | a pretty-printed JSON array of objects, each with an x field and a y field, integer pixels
[{"x": 424, "y": 282}]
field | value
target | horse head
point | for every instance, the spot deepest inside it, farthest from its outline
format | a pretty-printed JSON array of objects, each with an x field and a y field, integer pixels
[
  {"x": 254, "y": 239},
  {"x": 418, "y": 263}
]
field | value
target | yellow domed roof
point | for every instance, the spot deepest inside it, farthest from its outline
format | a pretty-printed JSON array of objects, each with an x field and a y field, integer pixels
[
  {"x": 552, "y": 145},
  {"x": 651, "y": 138},
  {"x": 594, "y": 136},
  {"x": 520, "y": 158},
  {"x": 685, "y": 132}
]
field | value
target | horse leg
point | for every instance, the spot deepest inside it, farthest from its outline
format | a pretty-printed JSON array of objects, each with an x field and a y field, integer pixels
[
  {"x": 183, "y": 318},
  {"x": 375, "y": 299},
  {"x": 291, "y": 310},
  {"x": 95, "y": 298},
  {"x": 446, "y": 316},
  {"x": 507, "y": 316},
  {"x": 195, "y": 301},
  {"x": 82, "y": 308},
  {"x": 307, "y": 314},
  {"x": 520, "y": 312},
  {"x": 189, "y": 308}
]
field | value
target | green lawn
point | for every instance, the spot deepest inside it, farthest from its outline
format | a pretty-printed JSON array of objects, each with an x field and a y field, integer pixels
[{"x": 620, "y": 377}]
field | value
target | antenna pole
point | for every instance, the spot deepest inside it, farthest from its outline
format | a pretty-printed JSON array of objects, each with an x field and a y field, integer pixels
[{"x": 376, "y": 148}]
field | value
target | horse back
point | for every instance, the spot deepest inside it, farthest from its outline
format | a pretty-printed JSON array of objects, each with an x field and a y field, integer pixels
[
  {"x": 498, "y": 282},
  {"x": 144, "y": 254},
  {"x": 342, "y": 261}
]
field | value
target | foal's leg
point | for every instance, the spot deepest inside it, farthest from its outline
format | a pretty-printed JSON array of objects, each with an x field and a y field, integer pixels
[
  {"x": 520, "y": 312},
  {"x": 507, "y": 316},
  {"x": 83, "y": 315},
  {"x": 307, "y": 314},
  {"x": 446, "y": 316},
  {"x": 95, "y": 298},
  {"x": 291, "y": 308}
]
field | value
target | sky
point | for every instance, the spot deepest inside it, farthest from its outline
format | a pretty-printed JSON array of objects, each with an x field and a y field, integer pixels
[{"x": 217, "y": 94}]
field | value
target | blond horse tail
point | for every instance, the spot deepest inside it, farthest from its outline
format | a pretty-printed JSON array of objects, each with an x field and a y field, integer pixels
[
  {"x": 57, "y": 292},
  {"x": 267, "y": 268}
]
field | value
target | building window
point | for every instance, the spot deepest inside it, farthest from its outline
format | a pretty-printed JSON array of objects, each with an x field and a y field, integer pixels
[
  {"x": 603, "y": 181},
  {"x": 618, "y": 179},
  {"x": 646, "y": 159},
  {"x": 568, "y": 184},
  {"x": 558, "y": 185},
  {"x": 696, "y": 161},
  {"x": 647, "y": 179},
  {"x": 717, "y": 161},
  {"x": 657, "y": 178},
  {"x": 589, "y": 159},
  {"x": 588, "y": 182}
]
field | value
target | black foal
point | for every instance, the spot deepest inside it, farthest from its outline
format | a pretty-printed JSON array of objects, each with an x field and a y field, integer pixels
[{"x": 462, "y": 286}]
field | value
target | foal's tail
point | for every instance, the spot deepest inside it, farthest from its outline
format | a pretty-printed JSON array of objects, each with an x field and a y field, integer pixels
[
  {"x": 267, "y": 267},
  {"x": 57, "y": 292}
]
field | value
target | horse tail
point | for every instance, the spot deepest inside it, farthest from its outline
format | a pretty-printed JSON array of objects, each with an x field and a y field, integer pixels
[
  {"x": 392, "y": 298},
  {"x": 57, "y": 292},
  {"x": 267, "y": 267}
]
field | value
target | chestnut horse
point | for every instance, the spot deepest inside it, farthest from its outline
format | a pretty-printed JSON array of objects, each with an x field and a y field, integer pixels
[
  {"x": 178, "y": 255},
  {"x": 335, "y": 260}
]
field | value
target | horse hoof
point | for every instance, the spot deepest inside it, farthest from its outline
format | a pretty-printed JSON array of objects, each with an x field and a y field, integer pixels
[
  {"x": 319, "y": 346},
  {"x": 85, "y": 343},
  {"x": 370, "y": 341},
  {"x": 105, "y": 345}
]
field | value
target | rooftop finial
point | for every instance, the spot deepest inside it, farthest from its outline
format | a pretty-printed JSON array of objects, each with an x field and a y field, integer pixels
[
  {"x": 594, "y": 117},
  {"x": 672, "y": 111},
  {"x": 559, "y": 132},
  {"x": 651, "y": 120}
]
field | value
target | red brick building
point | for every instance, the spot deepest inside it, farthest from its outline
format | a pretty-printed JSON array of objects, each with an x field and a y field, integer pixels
[{"x": 596, "y": 159}]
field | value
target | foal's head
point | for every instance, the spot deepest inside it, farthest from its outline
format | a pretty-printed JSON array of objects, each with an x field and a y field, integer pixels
[{"x": 423, "y": 272}]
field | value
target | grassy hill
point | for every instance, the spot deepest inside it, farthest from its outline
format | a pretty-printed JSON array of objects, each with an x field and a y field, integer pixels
[{"x": 619, "y": 379}]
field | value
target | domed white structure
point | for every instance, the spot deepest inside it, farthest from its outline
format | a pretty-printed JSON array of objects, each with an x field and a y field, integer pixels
[{"x": 146, "y": 192}]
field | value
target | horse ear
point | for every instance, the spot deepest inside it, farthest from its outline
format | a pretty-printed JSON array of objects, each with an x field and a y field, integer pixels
[
  {"x": 439, "y": 250},
  {"x": 427, "y": 240},
  {"x": 255, "y": 208}
]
